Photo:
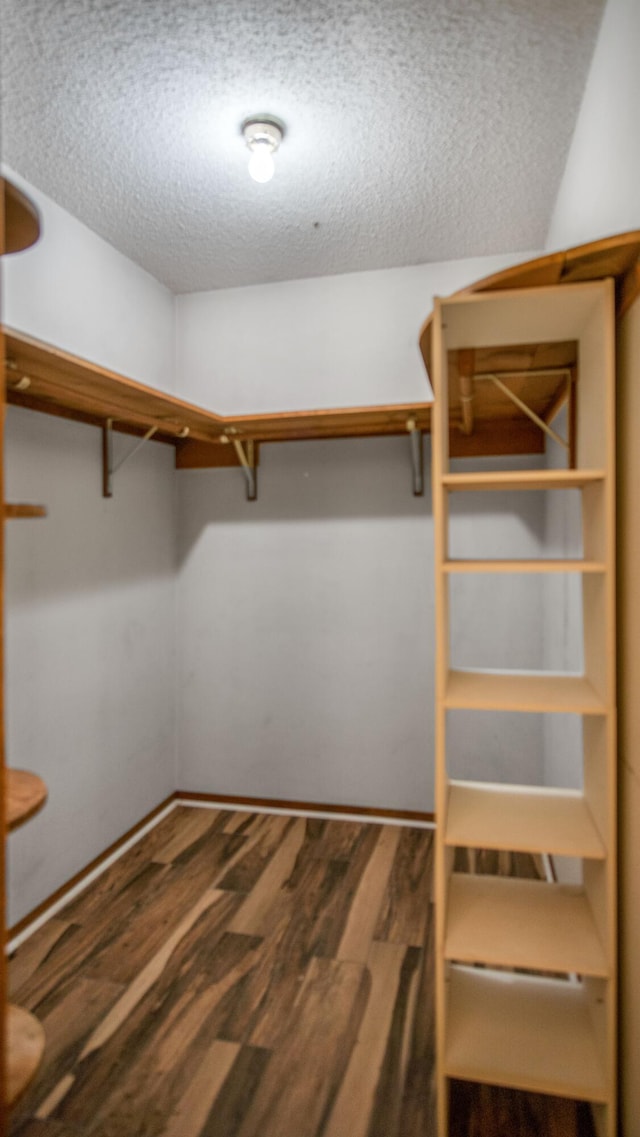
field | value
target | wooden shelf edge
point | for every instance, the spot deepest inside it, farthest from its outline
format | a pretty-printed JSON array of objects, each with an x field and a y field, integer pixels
[
  {"x": 535, "y": 692},
  {"x": 46, "y": 378},
  {"x": 25, "y": 1047},
  {"x": 26, "y": 794},
  {"x": 526, "y": 819},
  {"x": 521, "y": 480},
  {"x": 522, "y": 566},
  {"x": 21, "y": 219},
  {"x": 23, "y": 510},
  {"x": 509, "y": 922}
]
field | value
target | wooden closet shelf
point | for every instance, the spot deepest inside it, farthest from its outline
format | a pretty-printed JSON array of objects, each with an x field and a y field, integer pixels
[
  {"x": 462, "y": 566},
  {"x": 484, "y": 815},
  {"x": 509, "y": 691},
  {"x": 505, "y": 922},
  {"x": 21, "y": 219},
  {"x": 522, "y": 480},
  {"x": 24, "y": 510},
  {"x": 609, "y": 256},
  {"x": 45, "y": 378},
  {"x": 25, "y": 1046},
  {"x": 26, "y": 795},
  {"x": 523, "y": 1032}
]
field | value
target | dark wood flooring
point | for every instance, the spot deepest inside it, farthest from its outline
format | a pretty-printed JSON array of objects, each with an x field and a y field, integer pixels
[{"x": 247, "y": 975}]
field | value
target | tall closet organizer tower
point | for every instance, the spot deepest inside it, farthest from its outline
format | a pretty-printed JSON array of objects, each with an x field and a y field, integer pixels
[{"x": 526, "y": 970}]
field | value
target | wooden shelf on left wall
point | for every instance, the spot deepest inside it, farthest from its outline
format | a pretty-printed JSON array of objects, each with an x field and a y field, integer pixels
[
  {"x": 23, "y": 510},
  {"x": 26, "y": 793}
]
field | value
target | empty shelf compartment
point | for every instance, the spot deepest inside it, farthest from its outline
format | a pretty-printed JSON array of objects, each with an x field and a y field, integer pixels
[
  {"x": 505, "y": 922},
  {"x": 524, "y": 1032}
]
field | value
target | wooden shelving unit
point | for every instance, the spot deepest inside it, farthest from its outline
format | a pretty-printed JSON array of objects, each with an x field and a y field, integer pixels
[
  {"x": 537, "y": 1031},
  {"x": 22, "y": 794}
]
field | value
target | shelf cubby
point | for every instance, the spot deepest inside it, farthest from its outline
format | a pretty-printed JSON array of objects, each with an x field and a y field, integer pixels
[
  {"x": 504, "y": 922},
  {"x": 525, "y": 1032},
  {"x": 521, "y": 819}
]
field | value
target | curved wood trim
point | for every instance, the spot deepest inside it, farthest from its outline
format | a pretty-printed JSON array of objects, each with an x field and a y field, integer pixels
[
  {"x": 25, "y": 1047},
  {"x": 617, "y": 256},
  {"x": 26, "y": 795},
  {"x": 21, "y": 220}
]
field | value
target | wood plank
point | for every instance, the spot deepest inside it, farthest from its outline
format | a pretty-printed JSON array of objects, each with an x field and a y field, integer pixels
[
  {"x": 352, "y": 1110},
  {"x": 533, "y": 692},
  {"x": 318, "y": 1040},
  {"x": 234, "y": 1101},
  {"x": 190, "y": 1115},
  {"x": 522, "y": 480},
  {"x": 521, "y": 566},
  {"x": 522, "y": 924},
  {"x": 67, "y": 1018},
  {"x": 17, "y": 511},
  {"x": 406, "y": 905},
  {"x": 35, "y": 951},
  {"x": 355, "y": 944},
  {"x": 489, "y": 439},
  {"x": 529, "y": 819},
  {"x": 26, "y": 794}
]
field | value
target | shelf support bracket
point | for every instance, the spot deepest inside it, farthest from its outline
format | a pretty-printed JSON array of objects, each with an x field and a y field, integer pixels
[
  {"x": 417, "y": 464},
  {"x": 248, "y": 462},
  {"x": 108, "y": 466},
  {"x": 525, "y": 409}
]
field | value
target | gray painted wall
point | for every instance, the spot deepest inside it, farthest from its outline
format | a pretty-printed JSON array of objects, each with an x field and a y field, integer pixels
[
  {"x": 307, "y": 629},
  {"x": 90, "y": 644}
]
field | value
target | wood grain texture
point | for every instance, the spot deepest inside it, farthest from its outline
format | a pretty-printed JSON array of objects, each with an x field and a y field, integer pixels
[{"x": 247, "y": 975}]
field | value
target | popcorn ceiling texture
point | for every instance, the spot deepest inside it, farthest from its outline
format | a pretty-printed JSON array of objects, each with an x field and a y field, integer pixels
[{"x": 417, "y": 130}]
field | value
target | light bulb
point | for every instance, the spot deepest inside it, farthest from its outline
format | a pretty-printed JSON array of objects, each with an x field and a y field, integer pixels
[{"x": 261, "y": 163}]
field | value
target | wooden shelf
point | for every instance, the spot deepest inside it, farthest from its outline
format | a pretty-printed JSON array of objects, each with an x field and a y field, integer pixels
[
  {"x": 504, "y": 922},
  {"x": 524, "y": 1032},
  {"x": 609, "y": 256},
  {"x": 521, "y": 819},
  {"x": 25, "y": 1046},
  {"x": 21, "y": 219},
  {"x": 11, "y": 511},
  {"x": 512, "y": 691},
  {"x": 522, "y": 480},
  {"x": 460, "y": 566},
  {"x": 26, "y": 794},
  {"x": 45, "y": 378}
]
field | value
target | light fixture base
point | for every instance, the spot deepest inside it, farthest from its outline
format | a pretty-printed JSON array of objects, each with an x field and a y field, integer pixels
[{"x": 263, "y": 130}]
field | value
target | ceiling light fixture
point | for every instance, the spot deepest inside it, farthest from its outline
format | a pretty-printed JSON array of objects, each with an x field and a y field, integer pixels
[{"x": 263, "y": 137}]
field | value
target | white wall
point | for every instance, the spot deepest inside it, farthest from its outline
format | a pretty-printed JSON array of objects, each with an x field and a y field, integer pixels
[
  {"x": 89, "y": 644},
  {"x": 75, "y": 291},
  {"x": 600, "y": 191},
  {"x": 307, "y": 630},
  {"x": 334, "y": 341}
]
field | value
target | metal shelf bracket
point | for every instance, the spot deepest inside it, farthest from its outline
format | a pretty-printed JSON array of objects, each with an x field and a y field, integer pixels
[{"x": 109, "y": 468}]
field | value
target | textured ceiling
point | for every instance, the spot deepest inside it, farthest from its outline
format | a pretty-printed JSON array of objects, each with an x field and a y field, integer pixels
[{"x": 417, "y": 130}]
